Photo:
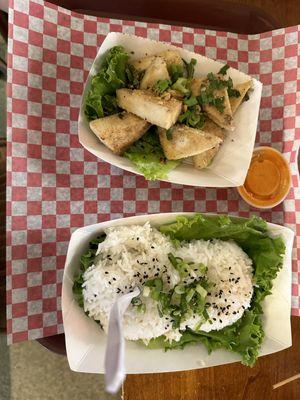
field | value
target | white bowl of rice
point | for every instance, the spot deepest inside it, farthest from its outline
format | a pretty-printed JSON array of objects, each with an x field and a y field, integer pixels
[{"x": 134, "y": 253}]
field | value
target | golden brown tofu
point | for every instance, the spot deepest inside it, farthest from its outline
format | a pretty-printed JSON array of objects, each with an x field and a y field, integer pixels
[
  {"x": 223, "y": 119},
  {"x": 185, "y": 141},
  {"x": 203, "y": 159},
  {"x": 145, "y": 104},
  {"x": 235, "y": 102},
  {"x": 170, "y": 57},
  {"x": 156, "y": 71},
  {"x": 119, "y": 131},
  {"x": 143, "y": 63},
  {"x": 196, "y": 85}
]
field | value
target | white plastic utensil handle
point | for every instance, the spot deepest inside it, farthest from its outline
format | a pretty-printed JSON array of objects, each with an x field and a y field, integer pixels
[{"x": 114, "y": 353}]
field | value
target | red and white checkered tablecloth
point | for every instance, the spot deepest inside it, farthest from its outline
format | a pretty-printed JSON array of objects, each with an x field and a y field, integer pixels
[{"x": 55, "y": 186}]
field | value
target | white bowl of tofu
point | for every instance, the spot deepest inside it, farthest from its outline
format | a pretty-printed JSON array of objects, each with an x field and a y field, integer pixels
[{"x": 211, "y": 152}]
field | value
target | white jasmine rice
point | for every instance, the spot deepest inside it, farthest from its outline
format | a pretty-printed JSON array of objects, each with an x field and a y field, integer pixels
[{"x": 131, "y": 255}]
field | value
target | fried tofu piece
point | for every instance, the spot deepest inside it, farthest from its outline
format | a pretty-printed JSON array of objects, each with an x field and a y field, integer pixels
[
  {"x": 119, "y": 131},
  {"x": 143, "y": 63},
  {"x": 157, "y": 70},
  {"x": 196, "y": 85},
  {"x": 170, "y": 57},
  {"x": 203, "y": 159},
  {"x": 145, "y": 104},
  {"x": 185, "y": 141},
  {"x": 223, "y": 119},
  {"x": 243, "y": 88}
]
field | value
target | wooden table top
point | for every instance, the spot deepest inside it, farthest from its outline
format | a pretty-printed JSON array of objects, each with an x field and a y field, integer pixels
[{"x": 228, "y": 382}]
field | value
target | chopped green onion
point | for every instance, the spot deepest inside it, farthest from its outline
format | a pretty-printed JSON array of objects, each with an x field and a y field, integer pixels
[
  {"x": 161, "y": 86},
  {"x": 191, "y": 101},
  {"x": 179, "y": 289},
  {"x": 224, "y": 69},
  {"x": 181, "y": 86},
  {"x": 201, "y": 291},
  {"x": 190, "y": 295},
  {"x": 190, "y": 68},
  {"x": 175, "y": 71}
]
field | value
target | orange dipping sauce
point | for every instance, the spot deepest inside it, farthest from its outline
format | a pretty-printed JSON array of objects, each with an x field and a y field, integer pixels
[{"x": 268, "y": 180}]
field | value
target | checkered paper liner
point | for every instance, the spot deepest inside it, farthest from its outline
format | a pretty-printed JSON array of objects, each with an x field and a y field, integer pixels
[{"x": 55, "y": 186}]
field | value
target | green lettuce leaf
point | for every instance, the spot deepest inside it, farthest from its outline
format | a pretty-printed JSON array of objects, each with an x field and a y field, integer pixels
[
  {"x": 100, "y": 100},
  {"x": 86, "y": 260},
  {"x": 148, "y": 157}
]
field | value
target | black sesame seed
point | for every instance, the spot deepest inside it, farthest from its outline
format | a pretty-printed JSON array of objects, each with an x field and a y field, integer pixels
[
  {"x": 220, "y": 320},
  {"x": 137, "y": 239},
  {"x": 114, "y": 279},
  {"x": 234, "y": 312},
  {"x": 106, "y": 272},
  {"x": 109, "y": 282},
  {"x": 225, "y": 300},
  {"x": 214, "y": 319},
  {"x": 153, "y": 259},
  {"x": 152, "y": 247}
]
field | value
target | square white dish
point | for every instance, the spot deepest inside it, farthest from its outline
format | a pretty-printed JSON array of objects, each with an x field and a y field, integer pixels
[
  {"x": 230, "y": 166},
  {"x": 86, "y": 342}
]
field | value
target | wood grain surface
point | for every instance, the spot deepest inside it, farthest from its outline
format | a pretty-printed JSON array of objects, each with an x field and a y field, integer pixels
[
  {"x": 286, "y": 12},
  {"x": 228, "y": 382}
]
